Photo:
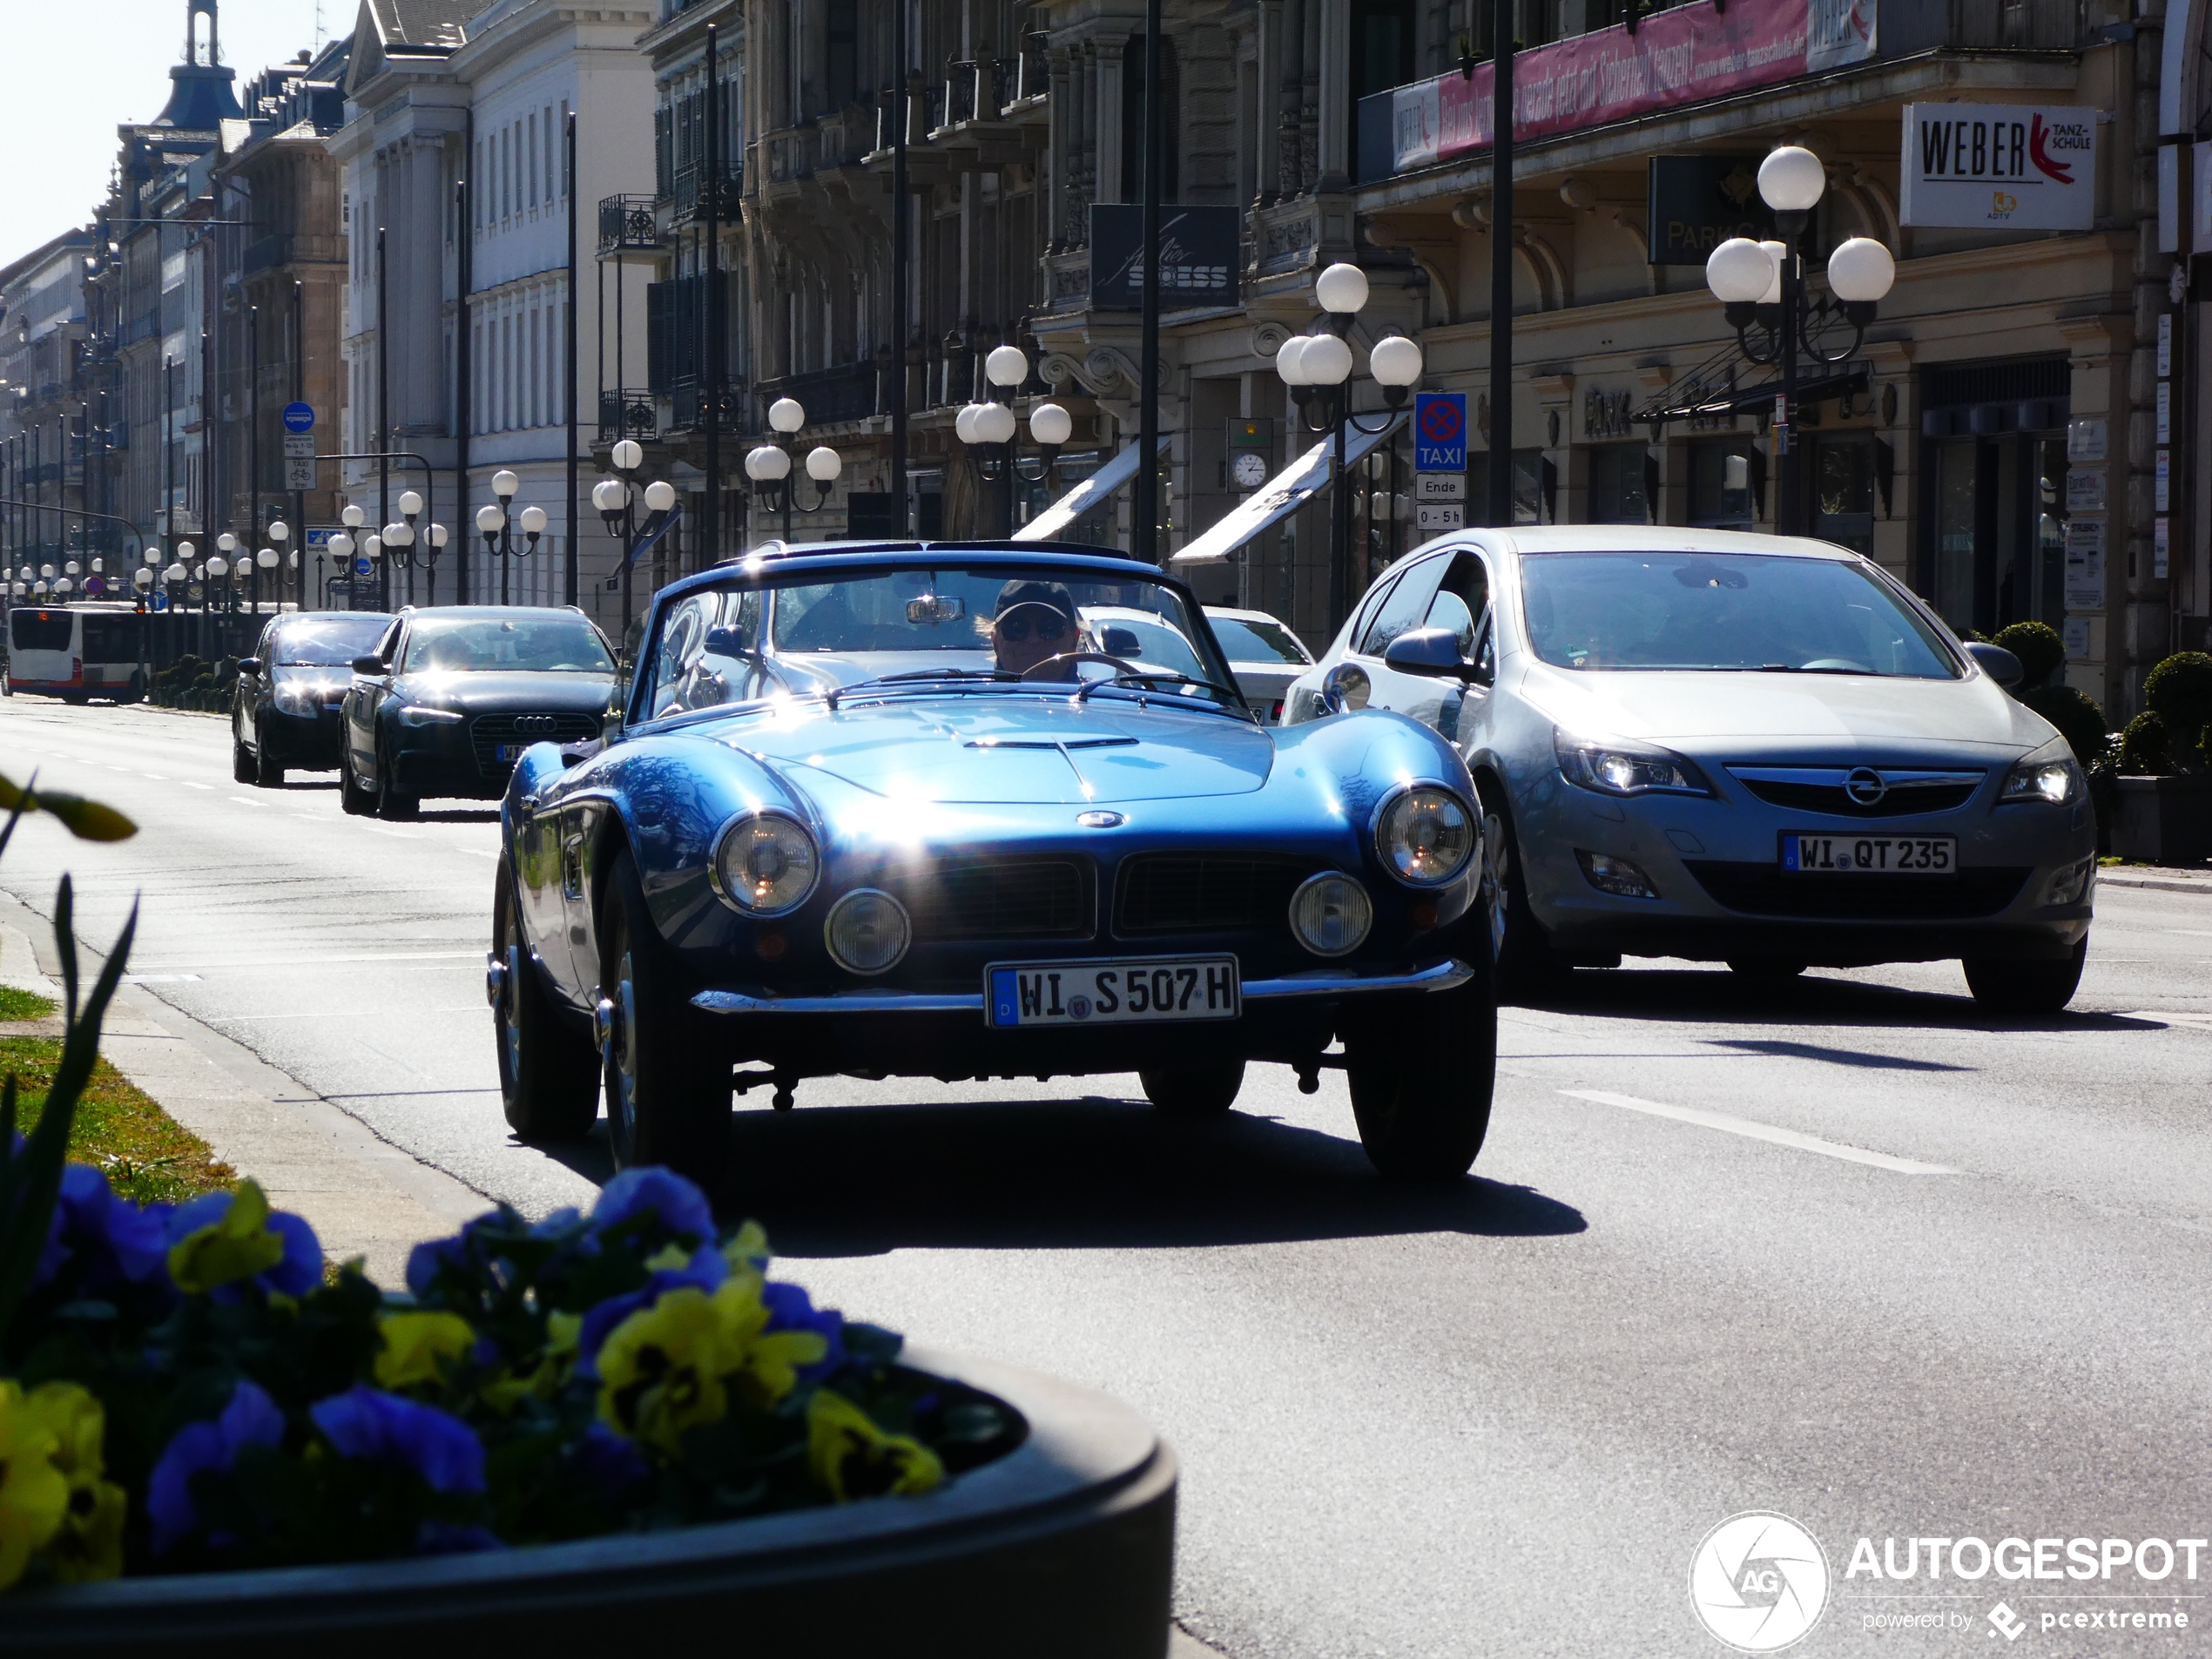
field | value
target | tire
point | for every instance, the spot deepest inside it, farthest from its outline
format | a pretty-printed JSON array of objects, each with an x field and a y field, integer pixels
[
  {"x": 668, "y": 1096},
  {"x": 548, "y": 1072},
  {"x": 1765, "y": 969},
  {"x": 1206, "y": 1090},
  {"x": 243, "y": 769},
  {"x": 390, "y": 804},
  {"x": 1421, "y": 1069},
  {"x": 352, "y": 799},
  {"x": 1527, "y": 968},
  {"x": 2008, "y": 987}
]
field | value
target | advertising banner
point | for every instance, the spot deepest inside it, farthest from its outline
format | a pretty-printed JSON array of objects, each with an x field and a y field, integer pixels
[
  {"x": 1698, "y": 202},
  {"x": 1679, "y": 56},
  {"x": 1199, "y": 257},
  {"x": 2030, "y": 167}
]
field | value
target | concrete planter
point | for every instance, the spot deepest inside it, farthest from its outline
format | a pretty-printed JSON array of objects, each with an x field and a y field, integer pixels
[
  {"x": 1064, "y": 1547},
  {"x": 2162, "y": 820}
]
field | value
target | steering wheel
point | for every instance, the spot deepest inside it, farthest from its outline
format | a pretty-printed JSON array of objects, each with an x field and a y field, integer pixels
[{"x": 1048, "y": 669}]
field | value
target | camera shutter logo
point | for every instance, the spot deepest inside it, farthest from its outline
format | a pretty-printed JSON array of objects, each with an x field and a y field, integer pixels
[{"x": 1758, "y": 1583}]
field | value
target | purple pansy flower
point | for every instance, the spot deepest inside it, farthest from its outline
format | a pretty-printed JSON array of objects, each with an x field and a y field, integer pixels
[
  {"x": 251, "y": 1419},
  {"x": 705, "y": 1271},
  {"x": 298, "y": 1271},
  {"x": 791, "y": 1309},
  {"x": 365, "y": 1422},
  {"x": 679, "y": 1206},
  {"x": 114, "y": 1242}
]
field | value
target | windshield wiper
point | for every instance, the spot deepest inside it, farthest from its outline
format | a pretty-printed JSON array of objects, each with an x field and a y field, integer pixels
[
  {"x": 911, "y": 675},
  {"x": 1147, "y": 678}
]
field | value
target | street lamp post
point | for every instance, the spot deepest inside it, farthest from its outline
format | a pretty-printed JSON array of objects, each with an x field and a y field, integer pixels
[
  {"x": 496, "y": 525},
  {"x": 769, "y": 464},
  {"x": 1762, "y": 290},
  {"x": 412, "y": 551},
  {"x": 988, "y": 430},
  {"x": 1317, "y": 369},
  {"x": 616, "y": 500}
]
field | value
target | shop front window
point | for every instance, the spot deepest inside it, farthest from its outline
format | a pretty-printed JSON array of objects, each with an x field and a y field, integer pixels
[
  {"x": 1723, "y": 484},
  {"x": 1843, "y": 470},
  {"x": 1619, "y": 485}
]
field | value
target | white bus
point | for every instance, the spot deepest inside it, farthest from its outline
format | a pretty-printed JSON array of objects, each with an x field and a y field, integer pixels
[{"x": 77, "y": 652}]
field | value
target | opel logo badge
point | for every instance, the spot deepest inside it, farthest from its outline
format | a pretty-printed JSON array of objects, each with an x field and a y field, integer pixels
[{"x": 1866, "y": 786}]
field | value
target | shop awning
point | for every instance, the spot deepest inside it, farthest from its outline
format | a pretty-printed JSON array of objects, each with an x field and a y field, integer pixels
[
  {"x": 1084, "y": 497},
  {"x": 1277, "y": 498},
  {"x": 1691, "y": 401}
]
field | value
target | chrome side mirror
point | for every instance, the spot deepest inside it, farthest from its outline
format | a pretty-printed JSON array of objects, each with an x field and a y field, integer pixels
[{"x": 1346, "y": 686}]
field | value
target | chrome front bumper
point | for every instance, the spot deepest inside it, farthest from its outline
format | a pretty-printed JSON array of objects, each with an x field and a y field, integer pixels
[{"x": 1320, "y": 982}]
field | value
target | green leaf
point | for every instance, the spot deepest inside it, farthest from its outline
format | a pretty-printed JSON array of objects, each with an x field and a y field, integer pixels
[{"x": 86, "y": 820}]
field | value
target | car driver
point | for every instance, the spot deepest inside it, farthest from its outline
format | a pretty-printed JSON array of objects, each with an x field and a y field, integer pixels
[{"x": 1033, "y": 622}]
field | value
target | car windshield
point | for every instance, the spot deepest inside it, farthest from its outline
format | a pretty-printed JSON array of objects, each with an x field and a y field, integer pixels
[
  {"x": 1724, "y": 612},
  {"x": 505, "y": 646},
  {"x": 1247, "y": 640},
  {"x": 760, "y": 638},
  {"x": 328, "y": 642}
]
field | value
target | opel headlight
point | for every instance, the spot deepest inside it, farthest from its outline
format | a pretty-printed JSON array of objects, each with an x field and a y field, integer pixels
[
  {"x": 765, "y": 864},
  {"x": 867, "y": 932},
  {"x": 1330, "y": 914},
  {"x": 1425, "y": 835},
  {"x": 299, "y": 697},
  {"x": 1618, "y": 766},
  {"x": 2051, "y": 775}
]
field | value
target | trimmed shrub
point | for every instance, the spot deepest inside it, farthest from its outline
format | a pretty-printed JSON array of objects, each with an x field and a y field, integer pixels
[
  {"x": 2142, "y": 747},
  {"x": 2042, "y": 654},
  {"x": 2179, "y": 692}
]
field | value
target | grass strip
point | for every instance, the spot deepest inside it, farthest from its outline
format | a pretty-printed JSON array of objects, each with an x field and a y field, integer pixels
[
  {"x": 17, "y": 1004},
  {"x": 147, "y": 1156}
]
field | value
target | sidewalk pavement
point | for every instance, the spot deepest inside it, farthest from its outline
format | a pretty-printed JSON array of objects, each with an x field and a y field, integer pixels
[
  {"x": 2160, "y": 878},
  {"x": 362, "y": 1195}
]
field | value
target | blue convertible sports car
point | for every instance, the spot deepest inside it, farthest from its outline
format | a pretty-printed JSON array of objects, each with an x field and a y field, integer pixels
[{"x": 906, "y": 809}]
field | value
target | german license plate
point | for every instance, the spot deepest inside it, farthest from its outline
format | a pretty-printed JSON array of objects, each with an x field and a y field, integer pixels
[
  {"x": 512, "y": 751},
  {"x": 1870, "y": 854},
  {"x": 1126, "y": 991}
]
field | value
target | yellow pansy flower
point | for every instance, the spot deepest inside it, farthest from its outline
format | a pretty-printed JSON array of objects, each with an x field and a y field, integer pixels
[
  {"x": 660, "y": 1370},
  {"x": 34, "y": 1495},
  {"x": 747, "y": 1250},
  {"x": 852, "y": 1458},
  {"x": 421, "y": 1348},
  {"x": 238, "y": 1246},
  {"x": 88, "y": 1543},
  {"x": 763, "y": 1367}
]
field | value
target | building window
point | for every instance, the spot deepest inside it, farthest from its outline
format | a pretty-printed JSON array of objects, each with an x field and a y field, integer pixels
[
  {"x": 841, "y": 52},
  {"x": 529, "y": 143},
  {"x": 1724, "y": 484},
  {"x": 1843, "y": 491},
  {"x": 1621, "y": 484}
]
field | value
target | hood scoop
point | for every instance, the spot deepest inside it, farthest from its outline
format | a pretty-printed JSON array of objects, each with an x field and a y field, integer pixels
[{"x": 1042, "y": 740}]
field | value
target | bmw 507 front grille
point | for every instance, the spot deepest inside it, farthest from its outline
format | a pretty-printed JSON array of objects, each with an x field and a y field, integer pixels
[
  {"x": 997, "y": 898},
  {"x": 1177, "y": 893},
  {"x": 489, "y": 733}
]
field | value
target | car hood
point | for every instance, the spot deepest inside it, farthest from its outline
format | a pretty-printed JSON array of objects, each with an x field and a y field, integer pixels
[
  {"x": 479, "y": 692},
  {"x": 1010, "y": 749},
  {"x": 1721, "y": 712}
]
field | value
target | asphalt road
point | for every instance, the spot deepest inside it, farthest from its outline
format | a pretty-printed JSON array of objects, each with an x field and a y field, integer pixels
[{"x": 1846, "y": 1250}]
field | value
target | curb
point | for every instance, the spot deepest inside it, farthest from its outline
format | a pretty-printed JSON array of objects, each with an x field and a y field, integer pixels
[
  {"x": 363, "y": 1196},
  {"x": 2162, "y": 881}
]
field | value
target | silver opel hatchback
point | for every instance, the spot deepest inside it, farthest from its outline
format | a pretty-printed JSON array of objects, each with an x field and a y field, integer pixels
[{"x": 1751, "y": 749}]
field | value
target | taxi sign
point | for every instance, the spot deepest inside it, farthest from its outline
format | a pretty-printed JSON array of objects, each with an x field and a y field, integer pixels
[{"x": 1440, "y": 432}]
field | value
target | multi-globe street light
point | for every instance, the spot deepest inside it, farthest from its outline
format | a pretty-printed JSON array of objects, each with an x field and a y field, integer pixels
[
  {"x": 1317, "y": 369},
  {"x": 495, "y": 523},
  {"x": 768, "y": 464},
  {"x": 616, "y": 500},
  {"x": 1761, "y": 286},
  {"x": 990, "y": 431}
]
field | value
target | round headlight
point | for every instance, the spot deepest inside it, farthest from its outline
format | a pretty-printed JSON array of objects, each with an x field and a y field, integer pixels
[
  {"x": 1425, "y": 835},
  {"x": 867, "y": 932},
  {"x": 1330, "y": 914},
  {"x": 766, "y": 864}
]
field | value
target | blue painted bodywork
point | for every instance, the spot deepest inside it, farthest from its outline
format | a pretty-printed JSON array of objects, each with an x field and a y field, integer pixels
[{"x": 903, "y": 779}]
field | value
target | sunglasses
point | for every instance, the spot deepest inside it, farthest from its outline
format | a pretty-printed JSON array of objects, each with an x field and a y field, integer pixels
[{"x": 1016, "y": 627}]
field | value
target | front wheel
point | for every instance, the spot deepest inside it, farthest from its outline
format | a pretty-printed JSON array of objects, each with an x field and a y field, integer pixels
[
  {"x": 352, "y": 799},
  {"x": 548, "y": 1073},
  {"x": 1206, "y": 1090},
  {"x": 268, "y": 770},
  {"x": 243, "y": 769},
  {"x": 390, "y": 803},
  {"x": 1527, "y": 968},
  {"x": 1421, "y": 1069},
  {"x": 668, "y": 1096},
  {"x": 2004, "y": 986}
]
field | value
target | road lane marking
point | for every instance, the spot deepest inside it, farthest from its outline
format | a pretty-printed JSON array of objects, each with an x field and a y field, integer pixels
[
  {"x": 175, "y": 969},
  {"x": 246, "y": 800},
  {"x": 2202, "y": 1021},
  {"x": 158, "y": 978},
  {"x": 1757, "y": 1131},
  {"x": 190, "y": 784},
  {"x": 159, "y": 776}
]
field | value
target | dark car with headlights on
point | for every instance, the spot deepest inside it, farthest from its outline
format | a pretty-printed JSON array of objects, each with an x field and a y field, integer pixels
[
  {"x": 895, "y": 810},
  {"x": 286, "y": 713},
  {"x": 450, "y": 698}
]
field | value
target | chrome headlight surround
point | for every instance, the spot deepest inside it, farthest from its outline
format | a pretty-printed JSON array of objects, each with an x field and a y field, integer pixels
[
  {"x": 1331, "y": 914},
  {"x": 867, "y": 932},
  {"x": 1623, "y": 767},
  {"x": 418, "y": 714},
  {"x": 743, "y": 889},
  {"x": 2050, "y": 775},
  {"x": 1396, "y": 827}
]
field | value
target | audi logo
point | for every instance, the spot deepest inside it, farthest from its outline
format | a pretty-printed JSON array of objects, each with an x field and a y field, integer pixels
[
  {"x": 535, "y": 723},
  {"x": 1866, "y": 786}
]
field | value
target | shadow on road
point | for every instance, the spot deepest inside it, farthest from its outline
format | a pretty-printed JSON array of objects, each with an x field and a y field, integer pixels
[
  {"x": 458, "y": 815},
  {"x": 1087, "y": 1173},
  {"x": 1705, "y": 997}
]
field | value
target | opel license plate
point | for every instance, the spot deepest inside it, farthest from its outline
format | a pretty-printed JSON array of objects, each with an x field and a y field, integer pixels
[
  {"x": 1125, "y": 991},
  {"x": 1804, "y": 854}
]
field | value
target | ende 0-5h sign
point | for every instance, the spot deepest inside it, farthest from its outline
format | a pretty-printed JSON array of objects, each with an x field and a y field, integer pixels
[{"x": 1998, "y": 166}]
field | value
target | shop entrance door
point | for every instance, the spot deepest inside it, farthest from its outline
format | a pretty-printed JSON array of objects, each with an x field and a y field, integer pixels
[{"x": 1998, "y": 547}]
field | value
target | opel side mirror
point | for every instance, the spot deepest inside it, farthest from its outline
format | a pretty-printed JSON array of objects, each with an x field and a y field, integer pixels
[
  {"x": 369, "y": 665},
  {"x": 1434, "y": 652},
  {"x": 249, "y": 665},
  {"x": 727, "y": 641},
  {"x": 1996, "y": 661}
]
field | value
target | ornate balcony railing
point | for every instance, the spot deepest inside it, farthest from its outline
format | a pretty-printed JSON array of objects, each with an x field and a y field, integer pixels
[
  {"x": 627, "y": 413},
  {"x": 691, "y": 194},
  {"x": 844, "y": 393},
  {"x": 687, "y": 400},
  {"x": 626, "y": 225}
]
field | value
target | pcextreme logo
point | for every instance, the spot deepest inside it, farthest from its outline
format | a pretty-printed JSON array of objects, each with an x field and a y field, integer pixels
[{"x": 1758, "y": 1582}]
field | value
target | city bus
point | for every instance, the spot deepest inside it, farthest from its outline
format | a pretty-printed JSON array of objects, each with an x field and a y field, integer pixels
[{"x": 78, "y": 651}]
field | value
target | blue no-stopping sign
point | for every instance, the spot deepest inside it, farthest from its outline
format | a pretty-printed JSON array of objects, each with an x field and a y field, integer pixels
[{"x": 1440, "y": 432}]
